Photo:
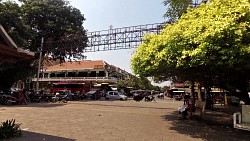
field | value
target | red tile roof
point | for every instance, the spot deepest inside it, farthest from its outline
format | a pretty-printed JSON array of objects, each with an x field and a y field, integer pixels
[
  {"x": 79, "y": 65},
  {"x": 178, "y": 85}
]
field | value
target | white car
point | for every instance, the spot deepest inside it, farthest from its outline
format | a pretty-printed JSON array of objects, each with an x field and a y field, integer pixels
[{"x": 115, "y": 95}]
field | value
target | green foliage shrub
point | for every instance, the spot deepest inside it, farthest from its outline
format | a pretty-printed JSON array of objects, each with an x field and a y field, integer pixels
[{"x": 9, "y": 129}]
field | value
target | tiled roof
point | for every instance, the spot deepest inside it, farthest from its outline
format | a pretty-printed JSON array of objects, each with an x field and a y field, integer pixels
[
  {"x": 47, "y": 62},
  {"x": 178, "y": 85},
  {"x": 79, "y": 65},
  {"x": 9, "y": 49},
  {"x": 6, "y": 38}
]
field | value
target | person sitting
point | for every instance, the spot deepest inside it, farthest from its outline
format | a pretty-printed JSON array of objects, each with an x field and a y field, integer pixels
[{"x": 183, "y": 110}]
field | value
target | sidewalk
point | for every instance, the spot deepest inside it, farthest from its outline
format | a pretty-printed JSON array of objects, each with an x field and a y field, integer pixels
[{"x": 221, "y": 120}]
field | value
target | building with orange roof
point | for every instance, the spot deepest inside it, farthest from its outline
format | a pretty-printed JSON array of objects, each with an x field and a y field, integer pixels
[{"x": 92, "y": 72}]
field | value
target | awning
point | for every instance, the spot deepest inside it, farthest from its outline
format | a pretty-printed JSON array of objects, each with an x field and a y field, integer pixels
[
  {"x": 9, "y": 52},
  {"x": 178, "y": 91}
]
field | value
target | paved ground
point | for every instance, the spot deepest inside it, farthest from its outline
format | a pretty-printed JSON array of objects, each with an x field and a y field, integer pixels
[{"x": 117, "y": 121}]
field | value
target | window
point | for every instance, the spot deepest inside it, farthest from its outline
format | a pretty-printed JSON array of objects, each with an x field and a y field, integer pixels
[
  {"x": 74, "y": 86},
  {"x": 40, "y": 75},
  {"x": 101, "y": 73},
  {"x": 93, "y": 74},
  {"x": 52, "y": 75},
  {"x": 62, "y": 74},
  {"x": 46, "y": 75},
  {"x": 68, "y": 86},
  {"x": 83, "y": 74},
  {"x": 71, "y": 74},
  {"x": 59, "y": 86}
]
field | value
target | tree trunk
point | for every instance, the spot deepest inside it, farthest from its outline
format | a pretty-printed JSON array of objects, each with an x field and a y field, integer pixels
[
  {"x": 245, "y": 95},
  {"x": 207, "y": 92},
  {"x": 208, "y": 98},
  {"x": 246, "y": 98},
  {"x": 199, "y": 92},
  {"x": 192, "y": 90}
]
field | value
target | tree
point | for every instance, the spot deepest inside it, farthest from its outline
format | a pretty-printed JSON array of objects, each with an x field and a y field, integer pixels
[
  {"x": 56, "y": 20},
  {"x": 208, "y": 44},
  {"x": 59, "y": 23},
  {"x": 175, "y": 8},
  {"x": 137, "y": 83},
  {"x": 127, "y": 83},
  {"x": 11, "y": 20}
]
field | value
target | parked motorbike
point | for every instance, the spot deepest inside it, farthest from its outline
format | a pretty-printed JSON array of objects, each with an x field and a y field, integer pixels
[
  {"x": 178, "y": 97},
  {"x": 138, "y": 97},
  {"x": 34, "y": 97},
  {"x": 2, "y": 99},
  {"x": 149, "y": 98},
  {"x": 60, "y": 97},
  {"x": 14, "y": 98},
  {"x": 161, "y": 96}
]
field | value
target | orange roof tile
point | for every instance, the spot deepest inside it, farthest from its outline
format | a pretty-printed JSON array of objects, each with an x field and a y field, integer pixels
[{"x": 79, "y": 65}]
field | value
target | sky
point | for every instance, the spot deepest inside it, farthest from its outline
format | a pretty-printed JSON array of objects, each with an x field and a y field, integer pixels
[{"x": 101, "y": 14}]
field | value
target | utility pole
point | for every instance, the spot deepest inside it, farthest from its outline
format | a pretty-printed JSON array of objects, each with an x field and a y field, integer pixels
[{"x": 39, "y": 65}]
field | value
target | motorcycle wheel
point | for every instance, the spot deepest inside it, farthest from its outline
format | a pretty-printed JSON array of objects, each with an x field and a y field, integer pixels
[
  {"x": 25, "y": 102},
  {"x": 64, "y": 100},
  {"x": 8, "y": 102},
  {"x": 53, "y": 100}
]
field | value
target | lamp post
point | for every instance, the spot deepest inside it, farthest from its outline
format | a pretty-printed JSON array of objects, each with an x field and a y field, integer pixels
[{"x": 39, "y": 65}]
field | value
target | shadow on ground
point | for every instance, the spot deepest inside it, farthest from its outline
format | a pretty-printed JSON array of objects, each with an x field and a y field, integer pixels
[
  {"x": 117, "y": 105},
  {"x": 31, "y": 136},
  {"x": 213, "y": 126},
  {"x": 38, "y": 105}
]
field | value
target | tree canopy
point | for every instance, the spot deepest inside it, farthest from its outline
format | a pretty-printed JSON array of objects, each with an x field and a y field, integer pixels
[
  {"x": 11, "y": 20},
  {"x": 27, "y": 22},
  {"x": 57, "y": 21},
  {"x": 137, "y": 83},
  {"x": 175, "y": 8},
  {"x": 208, "y": 43}
]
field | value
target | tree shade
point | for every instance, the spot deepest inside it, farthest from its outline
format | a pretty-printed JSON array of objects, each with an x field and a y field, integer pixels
[{"x": 209, "y": 43}]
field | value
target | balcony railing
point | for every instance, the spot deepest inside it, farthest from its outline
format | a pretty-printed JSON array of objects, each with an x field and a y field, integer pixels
[{"x": 101, "y": 79}]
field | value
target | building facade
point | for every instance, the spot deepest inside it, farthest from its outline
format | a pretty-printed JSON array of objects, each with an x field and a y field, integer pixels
[
  {"x": 93, "y": 72},
  {"x": 10, "y": 54}
]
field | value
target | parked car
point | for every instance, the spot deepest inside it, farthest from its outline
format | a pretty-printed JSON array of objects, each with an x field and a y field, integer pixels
[
  {"x": 115, "y": 95},
  {"x": 93, "y": 94},
  {"x": 233, "y": 100},
  {"x": 178, "y": 97}
]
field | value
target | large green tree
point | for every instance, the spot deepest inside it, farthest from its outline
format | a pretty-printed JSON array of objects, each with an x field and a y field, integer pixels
[
  {"x": 56, "y": 21},
  {"x": 11, "y": 19},
  {"x": 175, "y": 8},
  {"x": 59, "y": 23},
  {"x": 137, "y": 83},
  {"x": 209, "y": 43}
]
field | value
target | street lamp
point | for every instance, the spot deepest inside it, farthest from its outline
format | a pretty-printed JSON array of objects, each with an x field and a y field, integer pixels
[{"x": 39, "y": 65}]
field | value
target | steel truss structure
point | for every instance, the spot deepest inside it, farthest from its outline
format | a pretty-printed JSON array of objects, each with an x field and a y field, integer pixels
[{"x": 120, "y": 38}]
